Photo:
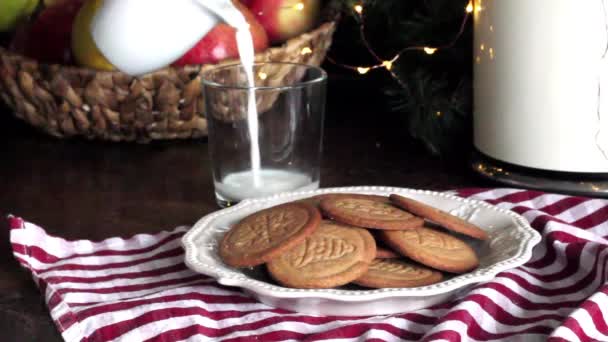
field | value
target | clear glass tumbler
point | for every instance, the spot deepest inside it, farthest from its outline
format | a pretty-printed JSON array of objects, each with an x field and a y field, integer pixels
[{"x": 270, "y": 147}]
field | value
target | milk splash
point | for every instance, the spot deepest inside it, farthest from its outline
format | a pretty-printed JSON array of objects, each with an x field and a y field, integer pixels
[{"x": 247, "y": 53}]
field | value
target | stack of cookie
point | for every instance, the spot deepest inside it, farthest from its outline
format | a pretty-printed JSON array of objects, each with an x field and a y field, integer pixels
[{"x": 332, "y": 240}]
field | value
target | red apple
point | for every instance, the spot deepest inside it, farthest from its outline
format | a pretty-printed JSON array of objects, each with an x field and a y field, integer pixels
[
  {"x": 284, "y": 19},
  {"x": 220, "y": 42},
  {"x": 50, "y": 35}
]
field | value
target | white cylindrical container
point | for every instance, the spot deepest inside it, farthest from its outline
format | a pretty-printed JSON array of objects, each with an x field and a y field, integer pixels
[{"x": 541, "y": 83}]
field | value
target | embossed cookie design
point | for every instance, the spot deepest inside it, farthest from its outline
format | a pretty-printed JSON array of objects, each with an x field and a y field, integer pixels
[
  {"x": 315, "y": 201},
  {"x": 397, "y": 273},
  {"x": 440, "y": 217},
  {"x": 432, "y": 248},
  {"x": 368, "y": 212},
  {"x": 268, "y": 233},
  {"x": 334, "y": 255}
]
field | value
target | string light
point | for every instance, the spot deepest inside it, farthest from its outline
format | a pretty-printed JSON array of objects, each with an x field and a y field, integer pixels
[
  {"x": 299, "y": 6},
  {"x": 262, "y": 75},
  {"x": 305, "y": 51},
  {"x": 470, "y": 7},
  {"x": 387, "y": 64},
  {"x": 429, "y": 50}
]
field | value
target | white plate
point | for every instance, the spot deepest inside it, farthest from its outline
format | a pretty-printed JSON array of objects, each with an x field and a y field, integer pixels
[{"x": 510, "y": 245}]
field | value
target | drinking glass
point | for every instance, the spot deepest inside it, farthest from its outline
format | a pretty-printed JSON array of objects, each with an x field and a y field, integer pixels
[{"x": 264, "y": 138}]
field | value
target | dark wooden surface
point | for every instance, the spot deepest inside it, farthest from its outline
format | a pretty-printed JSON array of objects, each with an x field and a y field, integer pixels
[{"x": 95, "y": 190}]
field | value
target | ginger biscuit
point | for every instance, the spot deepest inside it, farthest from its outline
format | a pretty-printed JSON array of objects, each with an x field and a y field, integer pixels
[
  {"x": 432, "y": 248},
  {"x": 384, "y": 273},
  {"x": 368, "y": 212},
  {"x": 440, "y": 217},
  {"x": 268, "y": 233},
  {"x": 334, "y": 255},
  {"x": 316, "y": 200},
  {"x": 385, "y": 253}
]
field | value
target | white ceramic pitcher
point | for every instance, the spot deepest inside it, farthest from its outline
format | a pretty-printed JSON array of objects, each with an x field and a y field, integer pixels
[
  {"x": 541, "y": 80},
  {"x": 140, "y": 36}
]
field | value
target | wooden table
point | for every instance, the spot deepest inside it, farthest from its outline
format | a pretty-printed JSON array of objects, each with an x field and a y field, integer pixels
[{"x": 95, "y": 190}]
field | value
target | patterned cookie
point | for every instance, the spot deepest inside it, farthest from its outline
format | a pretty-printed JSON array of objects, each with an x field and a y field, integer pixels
[
  {"x": 334, "y": 255},
  {"x": 316, "y": 200},
  {"x": 369, "y": 212},
  {"x": 385, "y": 253},
  {"x": 432, "y": 248},
  {"x": 440, "y": 217},
  {"x": 397, "y": 273},
  {"x": 268, "y": 233}
]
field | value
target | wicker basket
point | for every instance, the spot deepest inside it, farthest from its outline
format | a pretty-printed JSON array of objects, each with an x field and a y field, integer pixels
[{"x": 69, "y": 101}]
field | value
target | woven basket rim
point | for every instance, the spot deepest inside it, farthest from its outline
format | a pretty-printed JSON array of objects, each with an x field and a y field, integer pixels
[
  {"x": 325, "y": 25},
  {"x": 69, "y": 100}
]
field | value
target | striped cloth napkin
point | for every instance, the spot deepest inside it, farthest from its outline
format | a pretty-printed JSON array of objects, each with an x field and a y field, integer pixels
[{"x": 138, "y": 289}]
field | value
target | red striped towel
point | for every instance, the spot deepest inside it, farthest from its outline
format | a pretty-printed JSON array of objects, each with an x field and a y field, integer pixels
[{"x": 139, "y": 289}]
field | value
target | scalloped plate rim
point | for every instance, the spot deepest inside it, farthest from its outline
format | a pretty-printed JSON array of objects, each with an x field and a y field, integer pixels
[{"x": 230, "y": 277}]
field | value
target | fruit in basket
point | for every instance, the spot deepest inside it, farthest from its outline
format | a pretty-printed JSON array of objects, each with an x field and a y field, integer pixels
[
  {"x": 220, "y": 43},
  {"x": 48, "y": 38},
  {"x": 284, "y": 19},
  {"x": 49, "y": 3},
  {"x": 12, "y": 11},
  {"x": 84, "y": 49}
]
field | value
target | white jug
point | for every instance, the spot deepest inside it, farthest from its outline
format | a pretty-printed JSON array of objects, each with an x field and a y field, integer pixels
[
  {"x": 541, "y": 75},
  {"x": 140, "y": 36}
]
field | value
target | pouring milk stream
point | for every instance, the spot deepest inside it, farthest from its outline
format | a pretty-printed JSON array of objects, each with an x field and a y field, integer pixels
[{"x": 129, "y": 35}]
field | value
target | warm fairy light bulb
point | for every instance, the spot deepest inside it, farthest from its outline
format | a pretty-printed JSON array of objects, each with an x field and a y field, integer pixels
[
  {"x": 470, "y": 7},
  {"x": 388, "y": 65},
  {"x": 306, "y": 51},
  {"x": 429, "y": 50},
  {"x": 439, "y": 113},
  {"x": 299, "y": 6},
  {"x": 262, "y": 75}
]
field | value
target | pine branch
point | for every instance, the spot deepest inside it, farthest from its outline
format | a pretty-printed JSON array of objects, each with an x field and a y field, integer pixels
[
  {"x": 433, "y": 84},
  {"x": 434, "y": 111}
]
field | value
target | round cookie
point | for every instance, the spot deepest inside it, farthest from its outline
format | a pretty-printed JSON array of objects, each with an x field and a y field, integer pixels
[
  {"x": 397, "y": 273},
  {"x": 432, "y": 248},
  {"x": 385, "y": 253},
  {"x": 440, "y": 217},
  {"x": 334, "y": 255},
  {"x": 268, "y": 233},
  {"x": 316, "y": 200},
  {"x": 368, "y": 211}
]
